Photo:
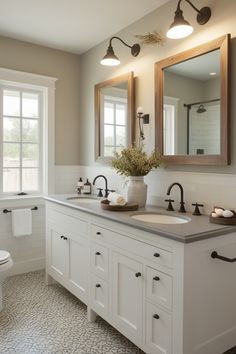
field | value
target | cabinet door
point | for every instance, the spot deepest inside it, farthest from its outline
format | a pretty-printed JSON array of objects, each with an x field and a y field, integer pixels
[
  {"x": 56, "y": 253},
  {"x": 78, "y": 265},
  {"x": 127, "y": 296},
  {"x": 158, "y": 330}
]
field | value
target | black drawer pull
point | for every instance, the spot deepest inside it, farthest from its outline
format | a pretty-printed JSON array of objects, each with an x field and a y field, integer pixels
[
  {"x": 156, "y": 255},
  {"x": 63, "y": 237},
  {"x": 138, "y": 274},
  {"x": 98, "y": 285},
  {"x": 98, "y": 253},
  {"x": 156, "y": 278},
  {"x": 156, "y": 316},
  {"x": 98, "y": 233},
  {"x": 226, "y": 259}
]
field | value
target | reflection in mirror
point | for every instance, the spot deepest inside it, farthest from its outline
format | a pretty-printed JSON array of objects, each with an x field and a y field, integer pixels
[
  {"x": 114, "y": 115},
  {"x": 192, "y": 94},
  {"x": 191, "y": 109}
]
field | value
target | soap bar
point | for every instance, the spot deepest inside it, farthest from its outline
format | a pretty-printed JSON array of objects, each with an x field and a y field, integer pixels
[{"x": 214, "y": 215}]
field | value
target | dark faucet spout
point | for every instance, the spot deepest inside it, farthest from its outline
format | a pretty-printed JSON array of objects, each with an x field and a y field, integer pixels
[
  {"x": 106, "y": 184},
  {"x": 182, "y": 208}
]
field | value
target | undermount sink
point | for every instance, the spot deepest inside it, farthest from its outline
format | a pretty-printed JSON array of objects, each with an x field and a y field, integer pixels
[
  {"x": 80, "y": 200},
  {"x": 160, "y": 218}
]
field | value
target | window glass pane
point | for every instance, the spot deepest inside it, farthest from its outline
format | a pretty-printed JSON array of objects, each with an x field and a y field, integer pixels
[
  {"x": 11, "y": 129},
  {"x": 30, "y": 155},
  {"x": 118, "y": 149},
  {"x": 11, "y": 103},
  {"x": 30, "y": 130},
  {"x": 11, "y": 180},
  {"x": 108, "y": 135},
  {"x": 120, "y": 114},
  {"x": 30, "y": 105},
  {"x": 108, "y": 113},
  {"x": 109, "y": 150},
  {"x": 11, "y": 155},
  {"x": 29, "y": 179},
  {"x": 120, "y": 136}
]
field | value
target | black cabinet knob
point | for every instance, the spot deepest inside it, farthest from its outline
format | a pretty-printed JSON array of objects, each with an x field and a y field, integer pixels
[
  {"x": 98, "y": 253},
  {"x": 62, "y": 237},
  {"x": 156, "y": 316},
  {"x": 98, "y": 233},
  {"x": 98, "y": 285},
  {"x": 156, "y": 278},
  {"x": 156, "y": 255},
  {"x": 138, "y": 274},
  {"x": 65, "y": 238}
]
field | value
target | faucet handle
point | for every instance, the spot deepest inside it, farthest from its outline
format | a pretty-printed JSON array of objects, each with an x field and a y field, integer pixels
[
  {"x": 99, "y": 192},
  {"x": 196, "y": 209},
  {"x": 170, "y": 206}
]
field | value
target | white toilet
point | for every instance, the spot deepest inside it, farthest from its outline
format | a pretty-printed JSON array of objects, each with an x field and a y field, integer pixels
[{"x": 6, "y": 264}]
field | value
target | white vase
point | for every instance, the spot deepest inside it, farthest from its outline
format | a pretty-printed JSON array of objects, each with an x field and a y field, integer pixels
[{"x": 137, "y": 190}]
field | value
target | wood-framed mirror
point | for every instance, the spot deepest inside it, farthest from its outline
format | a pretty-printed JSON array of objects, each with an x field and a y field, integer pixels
[
  {"x": 192, "y": 105},
  {"x": 114, "y": 115}
]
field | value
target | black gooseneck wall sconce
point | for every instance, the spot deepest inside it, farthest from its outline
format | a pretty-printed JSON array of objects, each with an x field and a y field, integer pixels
[
  {"x": 181, "y": 28},
  {"x": 111, "y": 59}
]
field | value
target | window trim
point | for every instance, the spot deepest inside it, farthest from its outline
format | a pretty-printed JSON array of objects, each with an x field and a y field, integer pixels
[{"x": 46, "y": 85}]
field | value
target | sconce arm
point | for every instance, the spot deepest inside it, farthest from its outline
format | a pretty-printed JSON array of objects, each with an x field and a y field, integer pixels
[{"x": 121, "y": 40}]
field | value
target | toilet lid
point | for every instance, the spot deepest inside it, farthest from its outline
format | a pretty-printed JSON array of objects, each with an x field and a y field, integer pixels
[{"x": 4, "y": 256}]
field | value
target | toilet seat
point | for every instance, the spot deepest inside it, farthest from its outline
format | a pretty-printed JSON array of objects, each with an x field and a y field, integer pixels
[{"x": 4, "y": 257}]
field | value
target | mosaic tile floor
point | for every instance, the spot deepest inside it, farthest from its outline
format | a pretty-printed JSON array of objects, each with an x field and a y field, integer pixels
[{"x": 38, "y": 319}]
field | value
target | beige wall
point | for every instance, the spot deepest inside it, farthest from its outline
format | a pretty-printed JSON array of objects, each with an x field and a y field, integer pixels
[
  {"x": 92, "y": 72},
  {"x": 18, "y": 55}
]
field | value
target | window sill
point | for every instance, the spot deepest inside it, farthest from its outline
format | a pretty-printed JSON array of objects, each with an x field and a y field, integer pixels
[{"x": 21, "y": 201}]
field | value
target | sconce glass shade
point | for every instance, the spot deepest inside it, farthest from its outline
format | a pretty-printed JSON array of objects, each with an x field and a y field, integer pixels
[{"x": 110, "y": 59}]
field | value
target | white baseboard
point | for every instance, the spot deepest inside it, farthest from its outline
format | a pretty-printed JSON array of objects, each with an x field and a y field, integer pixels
[{"x": 28, "y": 266}]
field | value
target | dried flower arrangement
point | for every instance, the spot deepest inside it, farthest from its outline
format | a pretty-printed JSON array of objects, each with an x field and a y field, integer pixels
[
  {"x": 133, "y": 161},
  {"x": 151, "y": 38}
]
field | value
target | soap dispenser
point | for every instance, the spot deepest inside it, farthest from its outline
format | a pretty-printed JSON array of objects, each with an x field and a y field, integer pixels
[
  {"x": 87, "y": 187},
  {"x": 80, "y": 185}
]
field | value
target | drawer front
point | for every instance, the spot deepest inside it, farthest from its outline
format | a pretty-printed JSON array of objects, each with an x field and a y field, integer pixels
[
  {"x": 158, "y": 330},
  {"x": 99, "y": 296},
  {"x": 159, "y": 287},
  {"x": 99, "y": 260},
  {"x": 70, "y": 223},
  {"x": 152, "y": 253}
]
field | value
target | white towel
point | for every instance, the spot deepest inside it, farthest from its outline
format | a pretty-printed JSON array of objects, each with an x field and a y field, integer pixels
[
  {"x": 116, "y": 199},
  {"x": 21, "y": 222}
]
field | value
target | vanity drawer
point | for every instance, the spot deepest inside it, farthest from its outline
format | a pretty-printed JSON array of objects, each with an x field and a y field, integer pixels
[
  {"x": 70, "y": 223},
  {"x": 151, "y": 253},
  {"x": 99, "y": 296},
  {"x": 158, "y": 330},
  {"x": 99, "y": 260},
  {"x": 159, "y": 287}
]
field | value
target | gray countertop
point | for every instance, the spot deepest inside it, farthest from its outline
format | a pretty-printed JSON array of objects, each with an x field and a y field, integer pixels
[{"x": 198, "y": 228}]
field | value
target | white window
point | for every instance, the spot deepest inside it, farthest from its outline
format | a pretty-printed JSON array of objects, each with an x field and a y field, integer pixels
[
  {"x": 170, "y": 125},
  {"x": 26, "y": 133},
  {"x": 115, "y": 124}
]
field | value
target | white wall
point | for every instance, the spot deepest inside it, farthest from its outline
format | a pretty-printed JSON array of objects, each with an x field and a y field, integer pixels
[
  {"x": 210, "y": 185},
  {"x": 28, "y": 252}
]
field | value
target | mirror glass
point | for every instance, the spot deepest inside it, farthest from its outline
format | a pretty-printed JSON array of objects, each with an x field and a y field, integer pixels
[
  {"x": 114, "y": 115},
  {"x": 192, "y": 105},
  {"x": 191, "y": 109}
]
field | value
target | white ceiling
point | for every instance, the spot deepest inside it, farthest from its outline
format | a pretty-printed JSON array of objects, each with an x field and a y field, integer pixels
[{"x": 71, "y": 25}]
